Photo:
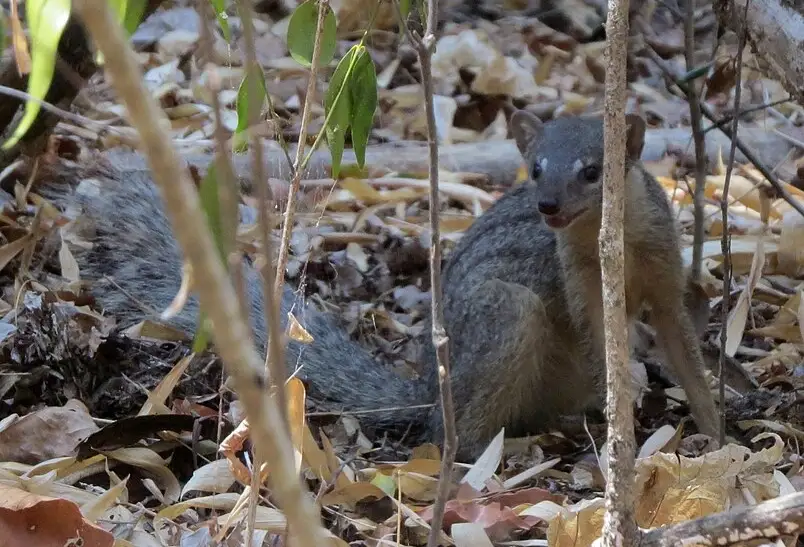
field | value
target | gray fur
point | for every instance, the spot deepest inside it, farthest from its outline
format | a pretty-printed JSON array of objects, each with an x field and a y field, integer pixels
[
  {"x": 134, "y": 250},
  {"x": 522, "y": 302}
]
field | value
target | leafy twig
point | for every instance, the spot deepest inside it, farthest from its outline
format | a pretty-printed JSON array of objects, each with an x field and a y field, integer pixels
[
  {"x": 619, "y": 525},
  {"x": 341, "y": 90},
  {"x": 290, "y": 208},
  {"x": 217, "y": 296}
]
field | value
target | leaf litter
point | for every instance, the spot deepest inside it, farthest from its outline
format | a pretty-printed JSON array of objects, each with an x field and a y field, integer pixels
[{"x": 140, "y": 460}]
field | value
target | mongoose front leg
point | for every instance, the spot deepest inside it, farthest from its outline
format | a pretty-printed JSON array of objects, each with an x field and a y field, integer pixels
[
  {"x": 679, "y": 342},
  {"x": 498, "y": 339}
]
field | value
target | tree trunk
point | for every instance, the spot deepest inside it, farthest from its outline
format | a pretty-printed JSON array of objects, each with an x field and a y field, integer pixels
[{"x": 776, "y": 34}]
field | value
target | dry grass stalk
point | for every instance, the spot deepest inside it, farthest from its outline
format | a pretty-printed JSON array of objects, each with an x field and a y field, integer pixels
[{"x": 216, "y": 293}]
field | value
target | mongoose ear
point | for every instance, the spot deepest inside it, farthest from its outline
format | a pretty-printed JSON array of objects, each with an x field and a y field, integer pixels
[
  {"x": 526, "y": 128},
  {"x": 635, "y": 136}
]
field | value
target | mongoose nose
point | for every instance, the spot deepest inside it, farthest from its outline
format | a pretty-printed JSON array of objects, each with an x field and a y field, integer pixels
[{"x": 548, "y": 206}]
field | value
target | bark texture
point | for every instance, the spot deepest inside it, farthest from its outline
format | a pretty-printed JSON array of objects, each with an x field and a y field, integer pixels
[
  {"x": 762, "y": 523},
  {"x": 776, "y": 35},
  {"x": 619, "y": 525}
]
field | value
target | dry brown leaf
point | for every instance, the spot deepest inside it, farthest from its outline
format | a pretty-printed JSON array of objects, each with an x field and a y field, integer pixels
[
  {"x": 69, "y": 266},
  {"x": 157, "y": 396},
  {"x": 296, "y": 397},
  {"x": 352, "y": 493},
  {"x": 791, "y": 246},
  {"x": 215, "y": 477},
  {"x": 30, "y": 519},
  {"x": 664, "y": 439},
  {"x": 469, "y": 534},
  {"x": 10, "y": 250},
  {"x": 486, "y": 465},
  {"x": 361, "y": 190},
  {"x": 150, "y": 461},
  {"x": 51, "y": 432},
  {"x": 788, "y": 333},
  {"x": 739, "y": 314},
  {"x": 156, "y": 331},
  {"x": 95, "y": 510},
  {"x": 577, "y": 525},
  {"x": 296, "y": 331}
]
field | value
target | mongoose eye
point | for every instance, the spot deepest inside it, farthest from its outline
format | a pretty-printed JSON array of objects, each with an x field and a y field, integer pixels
[
  {"x": 535, "y": 171},
  {"x": 590, "y": 173}
]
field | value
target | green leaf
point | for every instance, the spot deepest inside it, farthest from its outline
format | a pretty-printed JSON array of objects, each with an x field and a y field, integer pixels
[
  {"x": 301, "y": 34},
  {"x": 201, "y": 339},
  {"x": 3, "y": 26},
  {"x": 404, "y": 7},
  {"x": 242, "y": 105},
  {"x": 129, "y": 13},
  {"x": 696, "y": 73},
  {"x": 136, "y": 8},
  {"x": 223, "y": 17},
  {"x": 384, "y": 482},
  {"x": 338, "y": 107},
  {"x": 363, "y": 95},
  {"x": 210, "y": 204},
  {"x": 46, "y": 21}
]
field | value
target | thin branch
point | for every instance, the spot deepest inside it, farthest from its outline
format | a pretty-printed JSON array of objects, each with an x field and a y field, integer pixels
[
  {"x": 619, "y": 524},
  {"x": 274, "y": 363},
  {"x": 217, "y": 296},
  {"x": 425, "y": 45},
  {"x": 75, "y": 118},
  {"x": 770, "y": 520},
  {"x": 756, "y": 108},
  {"x": 741, "y": 146},
  {"x": 700, "y": 145},
  {"x": 725, "y": 241},
  {"x": 290, "y": 208}
]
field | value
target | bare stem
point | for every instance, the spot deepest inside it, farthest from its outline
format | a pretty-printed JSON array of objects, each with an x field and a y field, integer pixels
[
  {"x": 290, "y": 209},
  {"x": 725, "y": 240},
  {"x": 425, "y": 45},
  {"x": 619, "y": 525},
  {"x": 700, "y": 145},
  {"x": 275, "y": 361},
  {"x": 424, "y": 48},
  {"x": 216, "y": 293}
]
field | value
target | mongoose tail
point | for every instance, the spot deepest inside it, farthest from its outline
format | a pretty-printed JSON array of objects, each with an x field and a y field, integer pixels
[{"x": 135, "y": 268}]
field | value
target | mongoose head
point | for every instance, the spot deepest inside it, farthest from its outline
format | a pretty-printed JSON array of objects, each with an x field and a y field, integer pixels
[{"x": 565, "y": 161}]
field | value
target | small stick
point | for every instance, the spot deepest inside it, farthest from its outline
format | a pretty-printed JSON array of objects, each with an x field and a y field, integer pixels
[
  {"x": 693, "y": 99},
  {"x": 725, "y": 240},
  {"x": 424, "y": 46}
]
